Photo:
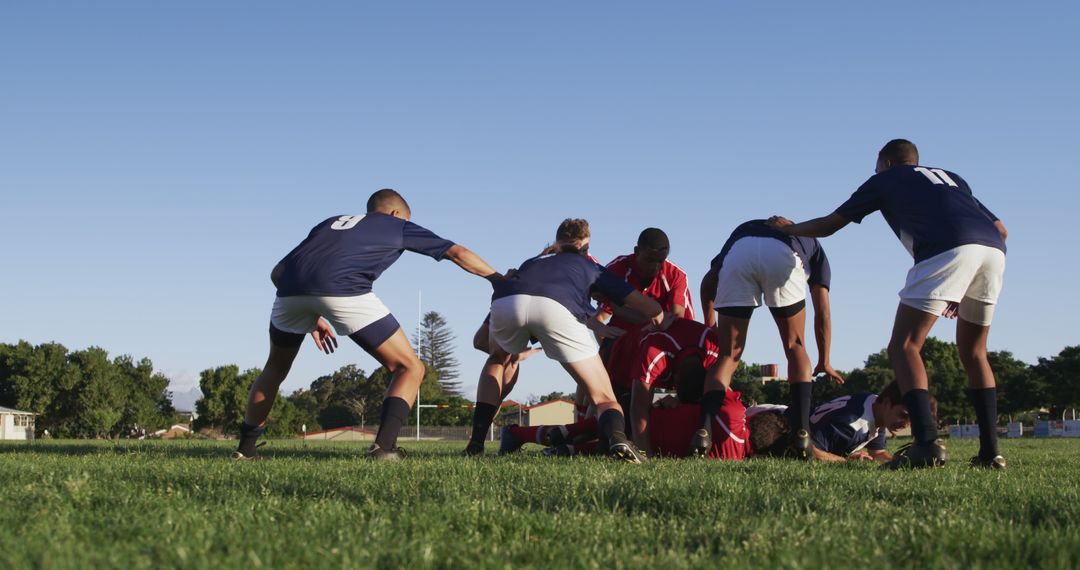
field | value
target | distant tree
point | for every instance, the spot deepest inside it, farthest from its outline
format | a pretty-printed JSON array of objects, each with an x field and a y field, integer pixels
[
  {"x": 145, "y": 401},
  {"x": 224, "y": 400},
  {"x": 94, "y": 405},
  {"x": 435, "y": 346},
  {"x": 555, "y": 396},
  {"x": 1061, "y": 377}
]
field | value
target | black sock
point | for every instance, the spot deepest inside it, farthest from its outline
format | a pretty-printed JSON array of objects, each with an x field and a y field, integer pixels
[
  {"x": 710, "y": 406},
  {"x": 482, "y": 417},
  {"x": 923, "y": 428},
  {"x": 394, "y": 412},
  {"x": 249, "y": 434},
  {"x": 799, "y": 408},
  {"x": 985, "y": 401},
  {"x": 610, "y": 423}
]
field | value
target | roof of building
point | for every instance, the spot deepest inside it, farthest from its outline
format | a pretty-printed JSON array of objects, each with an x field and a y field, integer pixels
[
  {"x": 338, "y": 429},
  {"x": 556, "y": 401},
  {"x": 4, "y": 410}
]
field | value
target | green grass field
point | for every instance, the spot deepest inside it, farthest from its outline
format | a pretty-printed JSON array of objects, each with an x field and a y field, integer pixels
[{"x": 319, "y": 505}]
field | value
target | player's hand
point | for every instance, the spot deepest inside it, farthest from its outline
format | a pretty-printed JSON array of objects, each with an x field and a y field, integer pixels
[
  {"x": 324, "y": 337},
  {"x": 668, "y": 402},
  {"x": 778, "y": 222},
  {"x": 827, "y": 370},
  {"x": 860, "y": 455},
  {"x": 525, "y": 354},
  {"x": 662, "y": 321},
  {"x": 951, "y": 310}
]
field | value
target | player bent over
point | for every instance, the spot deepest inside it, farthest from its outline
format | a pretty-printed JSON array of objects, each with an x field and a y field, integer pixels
[
  {"x": 758, "y": 262},
  {"x": 959, "y": 251},
  {"x": 330, "y": 275},
  {"x": 549, "y": 298}
]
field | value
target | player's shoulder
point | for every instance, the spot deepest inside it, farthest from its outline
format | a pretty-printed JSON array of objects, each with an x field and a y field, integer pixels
[
  {"x": 620, "y": 261},
  {"x": 672, "y": 269}
]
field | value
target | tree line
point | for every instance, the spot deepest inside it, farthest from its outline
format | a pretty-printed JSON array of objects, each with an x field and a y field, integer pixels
[{"x": 86, "y": 394}]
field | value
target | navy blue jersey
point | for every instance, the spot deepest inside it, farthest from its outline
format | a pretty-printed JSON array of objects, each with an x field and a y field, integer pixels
[
  {"x": 344, "y": 255},
  {"x": 846, "y": 425},
  {"x": 931, "y": 210},
  {"x": 808, "y": 249},
  {"x": 569, "y": 278}
]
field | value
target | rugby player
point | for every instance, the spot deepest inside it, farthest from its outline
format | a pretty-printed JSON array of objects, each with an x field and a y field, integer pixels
[
  {"x": 549, "y": 297},
  {"x": 959, "y": 250},
  {"x": 853, "y": 427},
  {"x": 758, "y": 262},
  {"x": 330, "y": 276}
]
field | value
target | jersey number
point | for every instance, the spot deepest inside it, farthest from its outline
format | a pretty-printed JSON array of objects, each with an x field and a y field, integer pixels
[
  {"x": 824, "y": 409},
  {"x": 937, "y": 176},
  {"x": 346, "y": 222}
]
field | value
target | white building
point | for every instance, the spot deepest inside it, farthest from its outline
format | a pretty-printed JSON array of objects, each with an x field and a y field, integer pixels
[{"x": 15, "y": 424}]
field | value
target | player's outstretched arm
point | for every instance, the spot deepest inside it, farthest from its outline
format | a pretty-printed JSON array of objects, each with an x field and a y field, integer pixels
[
  {"x": 822, "y": 455},
  {"x": 647, "y": 306},
  {"x": 707, "y": 291},
  {"x": 464, "y": 258},
  {"x": 819, "y": 296},
  {"x": 817, "y": 227}
]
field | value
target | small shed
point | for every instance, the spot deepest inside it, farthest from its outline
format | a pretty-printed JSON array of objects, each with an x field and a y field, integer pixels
[
  {"x": 351, "y": 433},
  {"x": 15, "y": 424},
  {"x": 552, "y": 412}
]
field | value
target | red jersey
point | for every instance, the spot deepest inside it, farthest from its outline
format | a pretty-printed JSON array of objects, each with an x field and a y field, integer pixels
[
  {"x": 622, "y": 360},
  {"x": 672, "y": 429},
  {"x": 669, "y": 287},
  {"x": 659, "y": 352}
]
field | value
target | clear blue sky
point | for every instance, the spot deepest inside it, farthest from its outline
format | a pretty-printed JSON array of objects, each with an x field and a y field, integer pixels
[{"x": 157, "y": 159}]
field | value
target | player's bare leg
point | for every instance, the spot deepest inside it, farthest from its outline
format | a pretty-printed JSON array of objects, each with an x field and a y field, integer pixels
[
  {"x": 731, "y": 337},
  {"x": 262, "y": 395},
  {"x": 792, "y": 335},
  {"x": 489, "y": 396},
  {"x": 399, "y": 358},
  {"x": 982, "y": 390},
  {"x": 592, "y": 374},
  {"x": 908, "y": 336}
]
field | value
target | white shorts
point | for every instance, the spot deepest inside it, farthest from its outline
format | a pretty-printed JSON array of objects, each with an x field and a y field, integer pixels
[
  {"x": 298, "y": 314},
  {"x": 516, "y": 318},
  {"x": 760, "y": 267},
  {"x": 971, "y": 275}
]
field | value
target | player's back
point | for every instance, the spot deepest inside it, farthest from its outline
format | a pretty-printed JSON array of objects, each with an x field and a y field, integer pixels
[
  {"x": 344, "y": 255},
  {"x": 568, "y": 278},
  {"x": 931, "y": 210},
  {"x": 844, "y": 424}
]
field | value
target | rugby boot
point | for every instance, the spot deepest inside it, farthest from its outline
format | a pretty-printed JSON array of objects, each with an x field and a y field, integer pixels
[
  {"x": 560, "y": 450},
  {"x": 800, "y": 447},
  {"x": 625, "y": 450},
  {"x": 473, "y": 449},
  {"x": 508, "y": 443},
  {"x": 995, "y": 464},
  {"x": 700, "y": 444},
  {"x": 915, "y": 456},
  {"x": 377, "y": 453},
  {"x": 240, "y": 456}
]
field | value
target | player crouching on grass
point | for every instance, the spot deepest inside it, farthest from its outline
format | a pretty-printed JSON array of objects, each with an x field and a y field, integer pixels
[
  {"x": 549, "y": 298},
  {"x": 851, "y": 427},
  {"x": 758, "y": 262},
  {"x": 330, "y": 276},
  {"x": 959, "y": 250}
]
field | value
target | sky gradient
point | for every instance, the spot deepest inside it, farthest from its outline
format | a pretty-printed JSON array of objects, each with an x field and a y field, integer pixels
[{"x": 156, "y": 160}]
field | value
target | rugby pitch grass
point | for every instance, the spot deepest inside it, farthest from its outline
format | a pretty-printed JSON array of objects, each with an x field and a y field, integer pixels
[{"x": 75, "y": 504}]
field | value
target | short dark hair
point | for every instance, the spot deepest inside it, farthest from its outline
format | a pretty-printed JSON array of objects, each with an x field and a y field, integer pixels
[
  {"x": 386, "y": 197},
  {"x": 900, "y": 151},
  {"x": 654, "y": 239},
  {"x": 768, "y": 433},
  {"x": 690, "y": 383}
]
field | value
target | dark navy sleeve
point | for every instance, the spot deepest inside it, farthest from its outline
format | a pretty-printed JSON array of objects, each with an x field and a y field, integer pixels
[
  {"x": 717, "y": 261},
  {"x": 833, "y": 437},
  {"x": 420, "y": 240},
  {"x": 878, "y": 443},
  {"x": 820, "y": 272},
  {"x": 866, "y": 200},
  {"x": 611, "y": 287}
]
